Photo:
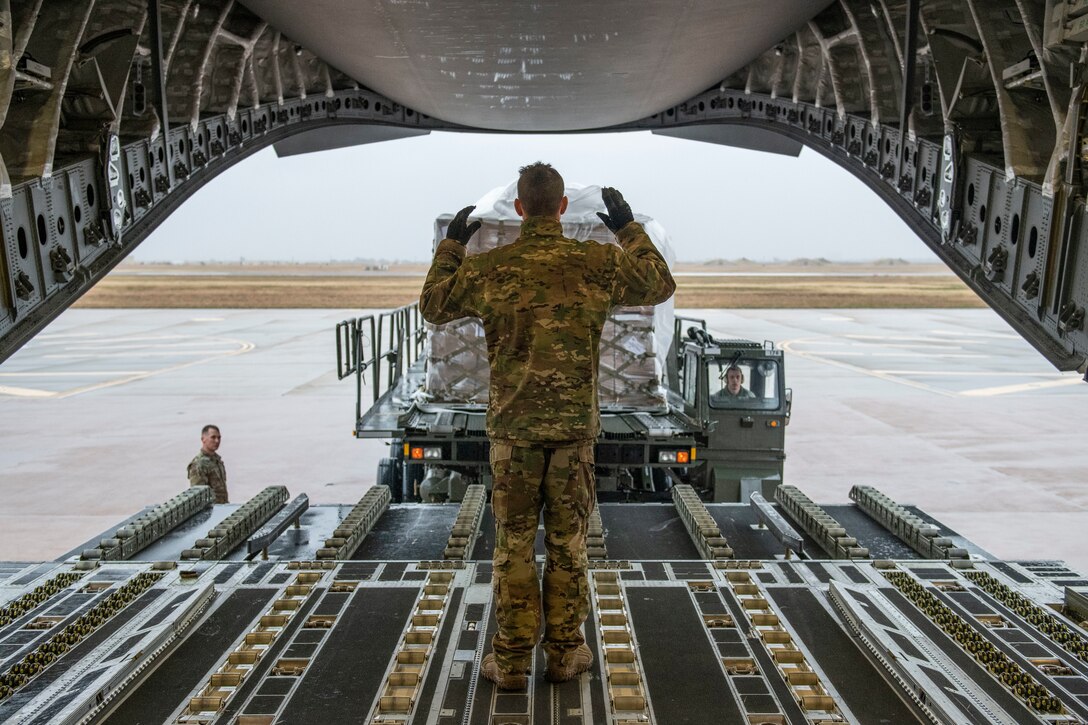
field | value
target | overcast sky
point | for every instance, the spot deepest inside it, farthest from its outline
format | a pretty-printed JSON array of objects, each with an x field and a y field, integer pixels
[{"x": 379, "y": 201}]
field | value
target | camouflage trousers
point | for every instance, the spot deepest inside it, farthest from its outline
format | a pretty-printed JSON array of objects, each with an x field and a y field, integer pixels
[{"x": 529, "y": 478}]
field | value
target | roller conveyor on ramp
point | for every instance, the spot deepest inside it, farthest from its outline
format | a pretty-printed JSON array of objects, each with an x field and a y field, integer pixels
[{"x": 392, "y": 629}]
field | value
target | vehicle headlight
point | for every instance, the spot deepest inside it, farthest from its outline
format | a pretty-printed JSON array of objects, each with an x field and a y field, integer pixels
[
  {"x": 432, "y": 453},
  {"x": 666, "y": 456}
]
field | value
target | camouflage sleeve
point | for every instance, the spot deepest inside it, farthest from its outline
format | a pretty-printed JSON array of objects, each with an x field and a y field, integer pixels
[
  {"x": 642, "y": 274},
  {"x": 196, "y": 473},
  {"x": 449, "y": 290}
]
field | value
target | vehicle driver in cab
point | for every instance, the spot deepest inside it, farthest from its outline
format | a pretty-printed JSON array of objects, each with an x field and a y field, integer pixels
[{"x": 734, "y": 390}]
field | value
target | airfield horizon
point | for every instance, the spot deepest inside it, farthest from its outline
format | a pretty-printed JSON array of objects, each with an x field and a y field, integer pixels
[{"x": 726, "y": 284}]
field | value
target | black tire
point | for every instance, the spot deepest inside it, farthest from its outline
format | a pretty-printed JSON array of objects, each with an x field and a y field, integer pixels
[{"x": 389, "y": 475}]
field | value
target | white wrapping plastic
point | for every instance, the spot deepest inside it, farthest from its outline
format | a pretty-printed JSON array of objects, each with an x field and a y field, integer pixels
[{"x": 635, "y": 340}]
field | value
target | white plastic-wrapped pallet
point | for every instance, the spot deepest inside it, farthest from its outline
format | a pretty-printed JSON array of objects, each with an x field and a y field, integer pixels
[{"x": 634, "y": 343}]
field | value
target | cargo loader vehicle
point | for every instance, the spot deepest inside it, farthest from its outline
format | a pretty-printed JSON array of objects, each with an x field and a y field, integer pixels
[{"x": 666, "y": 415}]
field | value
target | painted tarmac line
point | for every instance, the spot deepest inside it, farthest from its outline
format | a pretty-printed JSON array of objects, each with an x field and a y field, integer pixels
[
  {"x": 70, "y": 373},
  {"x": 26, "y": 392},
  {"x": 971, "y": 373},
  {"x": 133, "y": 353},
  {"x": 787, "y": 345},
  {"x": 948, "y": 345},
  {"x": 61, "y": 335},
  {"x": 97, "y": 339},
  {"x": 930, "y": 355},
  {"x": 894, "y": 375},
  {"x": 1022, "y": 387},
  {"x": 128, "y": 344},
  {"x": 987, "y": 335},
  {"x": 909, "y": 339},
  {"x": 904, "y": 354},
  {"x": 906, "y": 350},
  {"x": 243, "y": 348},
  {"x": 128, "y": 377}
]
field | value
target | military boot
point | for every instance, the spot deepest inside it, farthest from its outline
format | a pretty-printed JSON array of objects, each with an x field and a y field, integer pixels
[
  {"x": 568, "y": 666},
  {"x": 489, "y": 668}
]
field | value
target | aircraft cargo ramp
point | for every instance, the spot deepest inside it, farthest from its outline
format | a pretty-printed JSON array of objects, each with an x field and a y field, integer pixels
[{"x": 766, "y": 612}]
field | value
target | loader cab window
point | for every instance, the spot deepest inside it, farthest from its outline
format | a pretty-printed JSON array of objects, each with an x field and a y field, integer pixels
[
  {"x": 745, "y": 383},
  {"x": 691, "y": 378}
]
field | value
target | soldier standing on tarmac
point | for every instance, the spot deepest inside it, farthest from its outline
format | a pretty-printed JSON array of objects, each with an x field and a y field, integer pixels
[
  {"x": 207, "y": 468},
  {"x": 543, "y": 301}
]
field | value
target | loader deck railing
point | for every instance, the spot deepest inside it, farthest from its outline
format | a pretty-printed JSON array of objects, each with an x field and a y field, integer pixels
[{"x": 392, "y": 340}]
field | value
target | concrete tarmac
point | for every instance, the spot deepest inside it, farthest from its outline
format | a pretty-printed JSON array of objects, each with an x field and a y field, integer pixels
[{"x": 949, "y": 410}]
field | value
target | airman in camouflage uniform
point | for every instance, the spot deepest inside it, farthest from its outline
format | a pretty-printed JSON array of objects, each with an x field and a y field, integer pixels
[
  {"x": 207, "y": 468},
  {"x": 543, "y": 301}
]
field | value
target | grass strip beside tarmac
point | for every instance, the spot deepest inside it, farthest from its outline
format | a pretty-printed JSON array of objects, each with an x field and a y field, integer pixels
[{"x": 387, "y": 291}]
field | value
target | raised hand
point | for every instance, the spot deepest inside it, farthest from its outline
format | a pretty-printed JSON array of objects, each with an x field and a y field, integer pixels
[
  {"x": 619, "y": 212},
  {"x": 460, "y": 230}
]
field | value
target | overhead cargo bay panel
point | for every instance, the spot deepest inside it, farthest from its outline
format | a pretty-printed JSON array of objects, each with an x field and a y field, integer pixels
[{"x": 560, "y": 66}]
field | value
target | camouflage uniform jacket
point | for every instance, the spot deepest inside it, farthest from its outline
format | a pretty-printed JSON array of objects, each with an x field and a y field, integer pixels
[
  {"x": 208, "y": 470},
  {"x": 543, "y": 301},
  {"x": 742, "y": 394}
]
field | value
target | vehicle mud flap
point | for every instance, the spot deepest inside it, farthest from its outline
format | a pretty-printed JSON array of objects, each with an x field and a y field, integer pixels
[{"x": 413, "y": 475}]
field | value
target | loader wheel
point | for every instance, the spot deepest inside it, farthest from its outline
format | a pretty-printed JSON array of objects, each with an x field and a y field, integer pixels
[{"x": 389, "y": 475}]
